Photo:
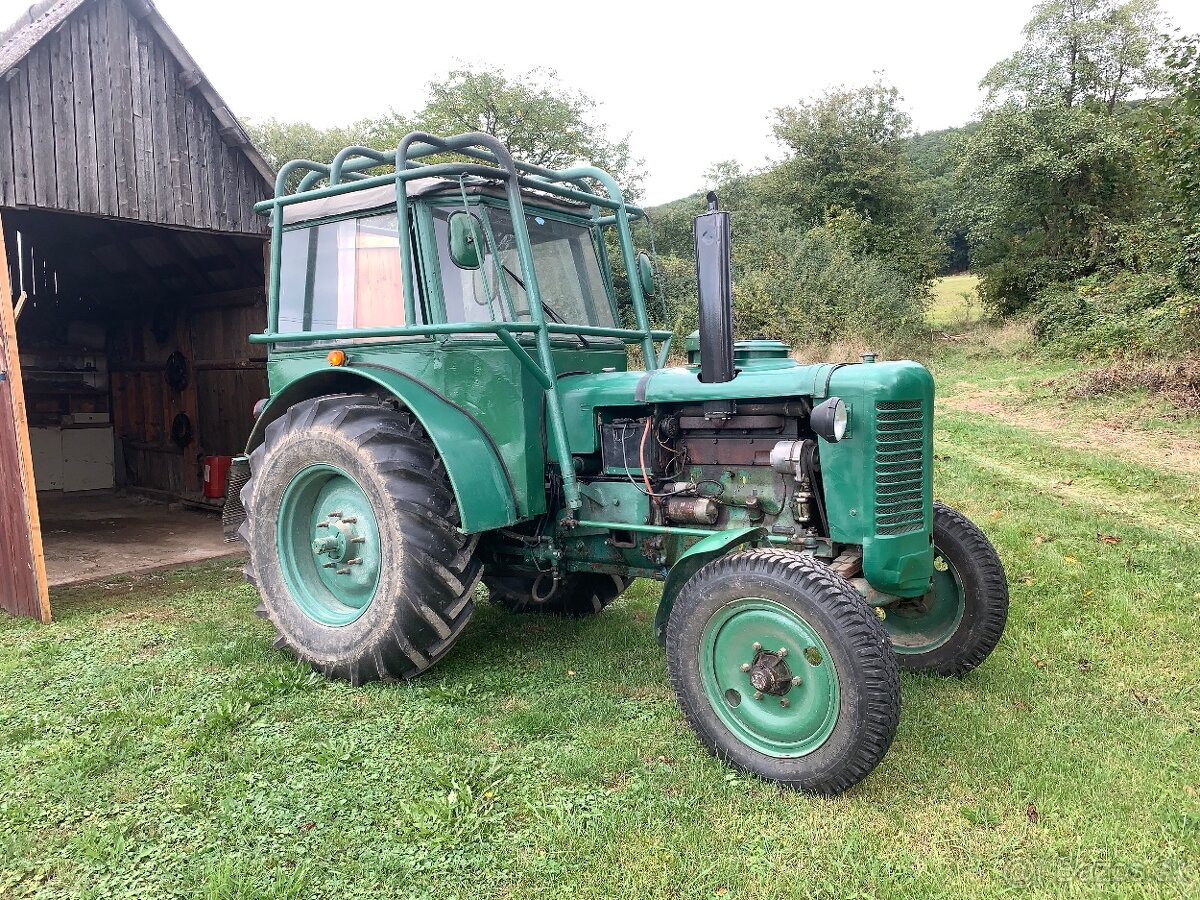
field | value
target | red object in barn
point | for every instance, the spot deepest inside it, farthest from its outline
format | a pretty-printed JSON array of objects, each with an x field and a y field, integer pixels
[{"x": 216, "y": 470}]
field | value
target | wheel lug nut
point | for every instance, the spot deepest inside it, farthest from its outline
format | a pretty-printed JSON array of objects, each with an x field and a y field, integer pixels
[
  {"x": 343, "y": 572},
  {"x": 757, "y": 645},
  {"x": 783, "y": 651},
  {"x": 335, "y": 515},
  {"x": 797, "y": 680},
  {"x": 745, "y": 667},
  {"x": 328, "y": 565},
  {"x": 350, "y": 520},
  {"x": 322, "y": 524},
  {"x": 758, "y": 695},
  {"x": 783, "y": 701},
  {"x": 357, "y": 561},
  {"x": 358, "y": 540}
]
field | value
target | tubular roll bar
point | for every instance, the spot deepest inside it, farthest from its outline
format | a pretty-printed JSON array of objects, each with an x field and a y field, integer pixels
[{"x": 349, "y": 172}]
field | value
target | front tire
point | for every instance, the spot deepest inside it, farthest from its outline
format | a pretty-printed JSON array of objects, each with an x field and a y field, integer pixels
[
  {"x": 353, "y": 546},
  {"x": 954, "y": 627},
  {"x": 783, "y": 670}
]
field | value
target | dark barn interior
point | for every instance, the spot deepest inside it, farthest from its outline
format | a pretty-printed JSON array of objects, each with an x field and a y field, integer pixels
[{"x": 136, "y": 266}]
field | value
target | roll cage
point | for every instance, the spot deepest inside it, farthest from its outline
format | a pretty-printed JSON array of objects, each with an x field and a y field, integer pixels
[{"x": 486, "y": 158}]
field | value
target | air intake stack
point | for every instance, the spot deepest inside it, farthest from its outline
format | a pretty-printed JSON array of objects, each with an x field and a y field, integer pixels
[{"x": 714, "y": 277}]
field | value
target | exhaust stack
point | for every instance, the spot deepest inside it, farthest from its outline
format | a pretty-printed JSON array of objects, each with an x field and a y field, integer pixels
[{"x": 714, "y": 277}]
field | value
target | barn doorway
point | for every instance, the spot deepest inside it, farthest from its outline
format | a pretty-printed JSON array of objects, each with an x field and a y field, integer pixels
[{"x": 138, "y": 378}]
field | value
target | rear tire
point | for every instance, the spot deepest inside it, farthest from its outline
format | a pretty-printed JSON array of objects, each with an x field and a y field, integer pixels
[
  {"x": 577, "y": 596},
  {"x": 819, "y": 717},
  {"x": 379, "y": 586}
]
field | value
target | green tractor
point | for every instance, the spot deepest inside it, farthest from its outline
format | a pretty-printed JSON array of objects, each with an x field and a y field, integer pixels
[{"x": 451, "y": 402}]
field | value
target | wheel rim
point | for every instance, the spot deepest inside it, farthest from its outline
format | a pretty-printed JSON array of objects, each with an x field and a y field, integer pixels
[
  {"x": 924, "y": 624},
  {"x": 329, "y": 547},
  {"x": 796, "y": 708}
]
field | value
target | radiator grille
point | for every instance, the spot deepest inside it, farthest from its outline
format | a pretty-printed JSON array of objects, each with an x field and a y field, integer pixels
[{"x": 899, "y": 466}]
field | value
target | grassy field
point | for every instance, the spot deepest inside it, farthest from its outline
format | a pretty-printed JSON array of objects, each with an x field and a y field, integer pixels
[
  {"x": 153, "y": 744},
  {"x": 955, "y": 301}
]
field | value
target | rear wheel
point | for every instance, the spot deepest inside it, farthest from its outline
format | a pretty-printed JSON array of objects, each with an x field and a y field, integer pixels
[
  {"x": 783, "y": 670},
  {"x": 954, "y": 627},
  {"x": 353, "y": 545},
  {"x": 578, "y": 595}
]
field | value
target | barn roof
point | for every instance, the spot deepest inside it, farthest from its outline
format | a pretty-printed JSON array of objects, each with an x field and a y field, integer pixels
[{"x": 42, "y": 19}]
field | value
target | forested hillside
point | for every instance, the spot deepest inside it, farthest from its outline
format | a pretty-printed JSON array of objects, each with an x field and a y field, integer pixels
[{"x": 1074, "y": 195}]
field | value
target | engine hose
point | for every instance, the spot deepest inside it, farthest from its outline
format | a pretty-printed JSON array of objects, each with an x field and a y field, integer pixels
[{"x": 539, "y": 597}]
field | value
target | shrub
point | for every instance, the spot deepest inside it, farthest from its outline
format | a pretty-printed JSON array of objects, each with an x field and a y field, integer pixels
[{"x": 1126, "y": 316}]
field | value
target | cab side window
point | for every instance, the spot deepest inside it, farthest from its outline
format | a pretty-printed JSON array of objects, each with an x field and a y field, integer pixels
[{"x": 344, "y": 274}]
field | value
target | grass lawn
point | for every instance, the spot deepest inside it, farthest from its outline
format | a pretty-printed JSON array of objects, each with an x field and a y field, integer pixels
[
  {"x": 950, "y": 307},
  {"x": 153, "y": 744}
]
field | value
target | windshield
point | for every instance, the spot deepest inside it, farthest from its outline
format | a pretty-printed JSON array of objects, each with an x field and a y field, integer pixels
[{"x": 564, "y": 258}]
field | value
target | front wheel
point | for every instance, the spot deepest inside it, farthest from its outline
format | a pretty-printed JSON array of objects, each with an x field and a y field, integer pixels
[
  {"x": 954, "y": 627},
  {"x": 783, "y": 670}
]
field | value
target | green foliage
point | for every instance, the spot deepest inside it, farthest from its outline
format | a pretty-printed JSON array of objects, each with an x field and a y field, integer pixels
[
  {"x": 818, "y": 287},
  {"x": 539, "y": 119},
  {"x": 1078, "y": 52},
  {"x": 1125, "y": 315},
  {"x": 1171, "y": 141},
  {"x": 1045, "y": 191},
  {"x": 848, "y": 152},
  {"x": 934, "y": 157}
]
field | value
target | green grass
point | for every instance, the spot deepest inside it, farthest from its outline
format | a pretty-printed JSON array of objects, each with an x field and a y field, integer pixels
[
  {"x": 153, "y": 744},
  {"x": 950, "y": 307}
]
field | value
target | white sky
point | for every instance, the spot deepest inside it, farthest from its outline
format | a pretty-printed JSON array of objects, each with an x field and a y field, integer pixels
[{"x": 693, "y": 82}]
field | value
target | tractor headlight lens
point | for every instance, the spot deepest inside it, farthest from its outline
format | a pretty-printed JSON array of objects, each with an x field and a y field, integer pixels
[{"x": 830, "y": 419}]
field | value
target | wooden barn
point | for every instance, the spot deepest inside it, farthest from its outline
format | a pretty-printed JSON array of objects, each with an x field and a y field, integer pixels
[{"x": 135, "y": 272}]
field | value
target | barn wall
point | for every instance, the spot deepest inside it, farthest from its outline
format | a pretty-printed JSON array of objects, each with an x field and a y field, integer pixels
[
  {"x": 99, "y": 118},
  {"x": 225, "y": 381}
]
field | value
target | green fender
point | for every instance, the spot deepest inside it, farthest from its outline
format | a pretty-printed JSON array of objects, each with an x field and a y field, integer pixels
[
  {"x": 478, "y": 475},
  {"x": 692, "y": 561}
]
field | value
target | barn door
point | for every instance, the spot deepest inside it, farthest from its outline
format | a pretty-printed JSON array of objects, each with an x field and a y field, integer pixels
[{"x": 23, "y": 590}]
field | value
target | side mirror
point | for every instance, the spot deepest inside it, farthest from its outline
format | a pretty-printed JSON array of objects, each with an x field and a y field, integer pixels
[
  {"x": 465, "y": 240},
  {"x": 646, "y": 273}
]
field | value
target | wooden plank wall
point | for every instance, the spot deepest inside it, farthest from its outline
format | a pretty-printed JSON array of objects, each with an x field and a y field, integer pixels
[
  {"x": 99, "y": 118},
  {"x": 227, "y": 377},
  {"x": 230, "y": 372}
]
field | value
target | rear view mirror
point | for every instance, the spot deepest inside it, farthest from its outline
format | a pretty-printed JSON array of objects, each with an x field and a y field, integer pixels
[
  {"x": 465, "y": 240},
  {"x": 646, "y": 273}
]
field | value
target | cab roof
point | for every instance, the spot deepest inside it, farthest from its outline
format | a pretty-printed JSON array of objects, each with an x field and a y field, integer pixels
[{"x": 384, "y": 195}]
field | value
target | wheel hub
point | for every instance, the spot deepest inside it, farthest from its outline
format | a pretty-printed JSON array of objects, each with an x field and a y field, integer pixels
[
  {"x": 769, "y": 673},
  {"x": 336, "y": 540},
  {"x": 329, "y": 545}
]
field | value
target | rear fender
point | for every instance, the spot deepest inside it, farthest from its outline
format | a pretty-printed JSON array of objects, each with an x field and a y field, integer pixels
[
  {"x": 692, "y": 561},
  {"x": 481, "y": 481}
]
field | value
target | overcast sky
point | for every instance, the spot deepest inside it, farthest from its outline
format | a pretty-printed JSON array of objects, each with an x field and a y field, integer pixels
[{"x": 694, "y": 83}]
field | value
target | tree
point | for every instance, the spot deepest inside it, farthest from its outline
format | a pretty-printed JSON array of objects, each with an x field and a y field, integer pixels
[
  {"x": 1046, "y": 191},
  {"x": 281, "y": 141},
  {"x": 1080, "y": 51},
  {"x": 540, "y": 120},
  {"x": 1171, "y": 141},
  {"x": 533, "y": 114},
  {"x": 848, "y": 153}
]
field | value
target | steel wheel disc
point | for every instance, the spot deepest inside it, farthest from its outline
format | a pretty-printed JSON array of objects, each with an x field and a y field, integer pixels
[
  {"x": 785, "y": 721},
  {"x": 927, "y": 623},
  {"x": 329, "y": 547}
]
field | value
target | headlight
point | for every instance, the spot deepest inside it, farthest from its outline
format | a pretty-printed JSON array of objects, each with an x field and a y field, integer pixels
[{"x": 830, "y": 419}]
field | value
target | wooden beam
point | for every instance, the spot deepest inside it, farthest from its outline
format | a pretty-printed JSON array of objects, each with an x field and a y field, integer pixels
[{"x": 30, "y": 526}]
